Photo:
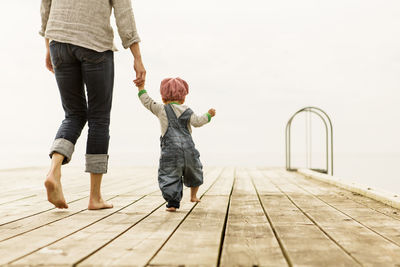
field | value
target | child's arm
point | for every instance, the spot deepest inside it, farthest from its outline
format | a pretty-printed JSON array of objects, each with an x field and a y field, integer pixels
[
  {"x": 148, "y": 102},
  {"x": 198, "y": 121}
]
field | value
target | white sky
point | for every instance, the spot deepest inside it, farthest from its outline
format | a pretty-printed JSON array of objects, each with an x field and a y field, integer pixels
[{"x": 255, "y": 61}]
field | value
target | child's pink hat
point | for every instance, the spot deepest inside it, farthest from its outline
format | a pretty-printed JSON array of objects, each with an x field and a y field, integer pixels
[{"x": 173, "y": 89}]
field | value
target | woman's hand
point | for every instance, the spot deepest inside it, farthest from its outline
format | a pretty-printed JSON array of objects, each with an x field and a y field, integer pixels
[
  {"x": 139, "y": 86},
  {"x": 48, "y": 63},
  {"x": 212, "y": 112},
  {"x": 49, "y": 66},
  {"x": 138, "y": 65},
  {"x": 140, "y": 71}
]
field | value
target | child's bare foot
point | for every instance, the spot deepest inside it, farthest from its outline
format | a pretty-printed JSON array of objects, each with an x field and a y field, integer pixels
[
  {"x": 193, "y": 194},
  {"x": 54, "y": 190},
  {"x": 195, "y": 199},
  {"x": 99, "y": 204},
  {"x": 171, "y": 209}
]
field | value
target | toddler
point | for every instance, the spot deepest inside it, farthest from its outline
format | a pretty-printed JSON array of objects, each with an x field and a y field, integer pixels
[{"x": 179, "y": 160}]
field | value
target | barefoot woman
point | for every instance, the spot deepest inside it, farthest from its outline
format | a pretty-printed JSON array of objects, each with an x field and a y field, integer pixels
[{"x": 81, "y": 55}]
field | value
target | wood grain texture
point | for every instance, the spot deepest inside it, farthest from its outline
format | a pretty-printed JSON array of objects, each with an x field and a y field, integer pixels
[
  {"x": 352, "y": 236},
  {"x": 85, "y": 242},
  {"x": 304, "y": 242},
  {"x": 197, "y": 240},
  {"x": 247, "y": 217},
  {"x": 249, "y": 240},
  {"x": 138, "y": 245}
]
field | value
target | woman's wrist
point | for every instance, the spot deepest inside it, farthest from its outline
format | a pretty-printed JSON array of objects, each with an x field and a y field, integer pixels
[{"x": 135, "y": 50}]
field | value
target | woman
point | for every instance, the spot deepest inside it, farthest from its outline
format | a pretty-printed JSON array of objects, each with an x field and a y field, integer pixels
[{"x": 81, "y": 54}]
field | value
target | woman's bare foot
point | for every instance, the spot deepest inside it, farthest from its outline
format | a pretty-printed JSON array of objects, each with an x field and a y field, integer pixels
[
  {"x": 99, "y": 204},
  {"x": 96, "y": 202},
  {"x": 54, "y": 189},
  {"x": 171, "y": 209},
  {"x": 195, "y": 199}
]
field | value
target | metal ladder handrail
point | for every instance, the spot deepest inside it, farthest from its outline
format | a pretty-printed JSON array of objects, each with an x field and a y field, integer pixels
[{"x": 328, "y": 129}]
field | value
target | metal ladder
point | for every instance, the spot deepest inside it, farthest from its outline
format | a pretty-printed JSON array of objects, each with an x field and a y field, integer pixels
[{"x": 329, "y": 138}]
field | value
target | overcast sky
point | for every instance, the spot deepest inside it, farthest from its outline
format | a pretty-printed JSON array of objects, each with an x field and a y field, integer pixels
[{"x": 256, "y": 62}]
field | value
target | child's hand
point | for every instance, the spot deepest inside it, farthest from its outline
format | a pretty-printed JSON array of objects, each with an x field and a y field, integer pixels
[
  {"x": 212, "y": 112},
  {"x": 139, "y": 84}
]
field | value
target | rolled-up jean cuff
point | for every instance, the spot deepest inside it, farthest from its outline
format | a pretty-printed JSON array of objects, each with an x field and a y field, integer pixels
[
  {"x": 96, "y": 163},
  {"x": 63, "y": 147}
]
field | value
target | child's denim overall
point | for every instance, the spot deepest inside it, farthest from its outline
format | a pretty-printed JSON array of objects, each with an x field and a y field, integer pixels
[{"x": 179, "y": 158}]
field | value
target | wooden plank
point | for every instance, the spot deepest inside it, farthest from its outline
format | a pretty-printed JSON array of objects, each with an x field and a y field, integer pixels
[
  {"x": 35, "y": 206},
  {"x": 249, "y": 240},
  {"x": 303, "y": 242},
  {"x": 77, "y": 246},
  {"x": 223, "y": 186},
  {"x": 138, "y": 245},
  {"x": 361, "y": 243},
  {"x": 334, "y": 190},
  {"x": 30, "y": 182},
  {"x": 386, "y": 226},
  {"x": 41, "y": 237},
  {"x": 31, "y": 223},
  {"x": 198, "y": 238},
  {"x": 81, "y": 244}
]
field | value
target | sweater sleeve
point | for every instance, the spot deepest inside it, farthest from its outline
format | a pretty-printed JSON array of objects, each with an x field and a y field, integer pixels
[
  {"x": 44, "y": 13},
  {"x": 149, "y": 103},
  {"x": 199, "y": 120},
  {"x": 125, "y": 22}
]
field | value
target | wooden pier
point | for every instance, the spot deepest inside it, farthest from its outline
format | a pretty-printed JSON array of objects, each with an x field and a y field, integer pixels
[{"x": 247, "y": 217}]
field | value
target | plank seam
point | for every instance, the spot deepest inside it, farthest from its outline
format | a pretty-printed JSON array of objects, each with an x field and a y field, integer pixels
[
  {"x": 18, "y": 199},
  {"x": 35, "y": 228},
  {"x": 315, "y": 223},
  {"x": 184, "y": 218},
  {"x": 349, "y": 198},
  {"x": 51, "y": 243},
  {"x": 43, "y": 211},
  {"x": 120, "y": 234},
  {"x": 221, "y": 244},
  {"x": 278, "y": 239},
  {"x": 369, "y": 228}
]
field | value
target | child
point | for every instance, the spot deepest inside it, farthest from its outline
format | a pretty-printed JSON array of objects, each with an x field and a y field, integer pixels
[{"x": 179, "y": 157}]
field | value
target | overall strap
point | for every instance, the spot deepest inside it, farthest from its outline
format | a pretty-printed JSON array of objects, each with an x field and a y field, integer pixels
[
  {"x": 171, "y": 116},
  {"x": 185, "y": 117}
]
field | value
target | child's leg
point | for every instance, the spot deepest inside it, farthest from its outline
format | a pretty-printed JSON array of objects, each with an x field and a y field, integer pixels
[
  {"x": 170, "y": 182},
  {"x": 53, "y": 182},
  {"x": 96, "y": 201},
  {"x": 193, "y": 194},
  {"x": 194, "y": 178}
]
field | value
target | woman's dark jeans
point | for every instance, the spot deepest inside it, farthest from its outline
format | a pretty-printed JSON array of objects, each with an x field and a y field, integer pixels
[{"x": 74, "y": 67}]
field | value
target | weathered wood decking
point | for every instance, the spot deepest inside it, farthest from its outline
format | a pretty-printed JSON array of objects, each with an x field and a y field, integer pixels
[{"x": 247, "y": 217}]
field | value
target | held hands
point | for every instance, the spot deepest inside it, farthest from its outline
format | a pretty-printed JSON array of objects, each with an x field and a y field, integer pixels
[
  {"x": 140, "y": 72},
  {"x": 212, "y": 112},
  {"x": 139, "y": 84},
  {"x": 138, "y": 66}
]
